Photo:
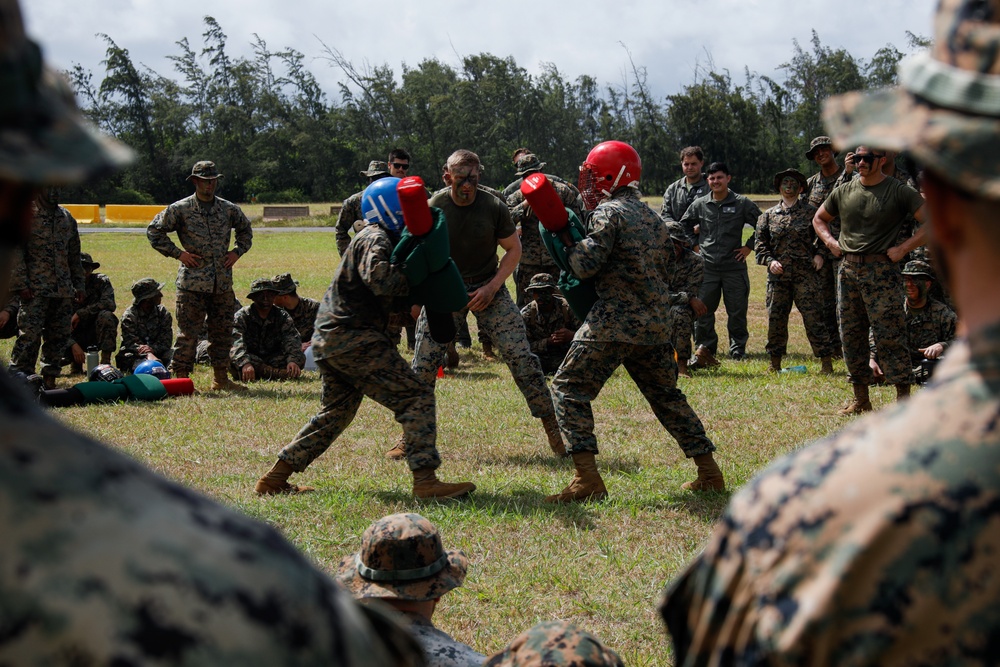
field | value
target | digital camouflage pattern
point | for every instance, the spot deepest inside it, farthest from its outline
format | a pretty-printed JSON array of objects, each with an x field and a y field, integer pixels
[
  {"x": 139, "y": 570},
  {"x": 818, "y": 188},
  {"x": 555, "y": 644},
  {"x": 350, "y": 212},
  {"x": 272, "y": 341},
  {"x": 628, "y": 253},
  {"x": 876, "y": 546},
  {"x": 543, "y": 316},
  {"x": 786, "y": 235},
  {"x": 207, "y": 234},
  {"x": 98, "y": 325},
  {"x": 516, "y": 185},
  {"x": 304, "y": 317},
  {"x": 208, "y": 315},
  {"x": 154, "y": 329},
  {"x": 42, "y": 316},
  {"x": 679, "y": 196},
  {"x": 441, "y": 649},
  {"x": 685, "y": 283},
  {"x": 934, "y": 323}
]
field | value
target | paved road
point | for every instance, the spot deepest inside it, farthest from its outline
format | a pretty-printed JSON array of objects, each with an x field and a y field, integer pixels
[{"x": 96, "y": 229}]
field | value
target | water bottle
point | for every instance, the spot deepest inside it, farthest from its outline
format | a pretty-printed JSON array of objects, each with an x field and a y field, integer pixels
[
  {"x": 794, "y": 369},
  {"x": 93, "y": 359}
]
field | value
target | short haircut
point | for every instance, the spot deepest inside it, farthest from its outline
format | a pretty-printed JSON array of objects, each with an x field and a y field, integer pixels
[
  {"x": 399, "y": 154},
  {"x": 718, "y": 166},
  {"x": 693, "y": 151},
  {"x": 461, "y": 159}
]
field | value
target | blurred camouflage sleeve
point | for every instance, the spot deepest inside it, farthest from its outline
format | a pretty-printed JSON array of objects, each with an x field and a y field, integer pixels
[
  {"x": 239, "y": 352},
  {"x": 103, "y": 299},
  {"x": 76, "y": 274}
]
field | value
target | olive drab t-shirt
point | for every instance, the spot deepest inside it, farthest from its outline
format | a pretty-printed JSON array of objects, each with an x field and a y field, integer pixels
[
  {"x": 870, "y": 216},
  {"x": 473, "y": 232}
]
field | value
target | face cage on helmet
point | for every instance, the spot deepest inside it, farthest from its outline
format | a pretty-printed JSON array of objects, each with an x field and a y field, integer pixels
[{"x": 589, "y": 185}]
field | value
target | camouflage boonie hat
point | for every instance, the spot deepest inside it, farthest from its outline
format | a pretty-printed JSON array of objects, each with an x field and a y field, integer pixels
[
  {"x": 917, "y": 267},
  {"x": 555, "y": 643},
  {"x": 376, "y": 168},
  {"x": 144, "y": 289},
  {"x": 677, "y": 233},
  {"x": 527, "y": 164},
  {"x": 283, "y": 283},
  {"x": 260, "y": 285},
  {"x": 819, "y": 142},
  {"x": 204, "y": 170},
  {"x": 44, "y": 139},
  {"x": 402, "y": 557},
  {"x": 542, "y": 281},
  {"x": 946, "y": 110},
  {"x": 87, "y": 260},
  {"x": 794, "y": 173}
]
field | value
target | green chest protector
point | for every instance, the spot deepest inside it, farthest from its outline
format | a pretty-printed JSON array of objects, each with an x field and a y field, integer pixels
[{"x": 579, "y": 294}]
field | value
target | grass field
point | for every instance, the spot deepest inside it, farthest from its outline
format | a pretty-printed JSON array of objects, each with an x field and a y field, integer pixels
[{"x": 602, "y": 565}]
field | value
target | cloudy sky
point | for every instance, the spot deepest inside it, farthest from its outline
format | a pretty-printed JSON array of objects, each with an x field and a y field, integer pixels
[{"x": 672, "y": 39}]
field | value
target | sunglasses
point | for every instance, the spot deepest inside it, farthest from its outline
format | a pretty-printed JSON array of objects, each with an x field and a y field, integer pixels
[
  {"x": 866, "y": 157},
  {"x": 400, "y": 166}
]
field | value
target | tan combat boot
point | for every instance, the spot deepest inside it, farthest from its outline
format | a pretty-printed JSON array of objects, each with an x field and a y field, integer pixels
[
  {"x": 861, "y": 402},
  {"x": 703, "y": 358},
  {"x": 221, "y": 381},
  {"x": 488, "y": 351},
  {"x": 709, "y": 476},
  {"x": 275, "y": 481},
  {"x": 902, "y": 392},
  {"x": 427, "y": 485},
  {"x": 587, "y": 483},
  {"x": 398, "y": 452},
  {"x": 556, "y": 443},
  {"x": 682, "y": 368},
  {"x": 179, "y": 374},
  {"x": 775, "y": 366},
  {"x": 826, "y": 367}
]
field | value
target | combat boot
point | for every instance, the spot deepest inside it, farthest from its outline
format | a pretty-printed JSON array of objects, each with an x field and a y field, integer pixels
[
  {"x": 902, "y": 392},
  {"x": 427, "y": 485},
  {"x": 826, "y": 367},
  {"x": 682, "y": 368},
  {"x": 586, "y": 484},
  {"x": 709, "y": 476},
  {"x": 398, "y": 452},
  {"x": 775, "y": 366},
  {"x": 488, "y": 351},
  {"x": 275, "y": 481},
  {"x": 861, "y": 402},
  {"x": 703, "y": 358},
  {"x": 180, "y": 373},
  {"x": 453, "y": 359},
  {"x": 556, "y": 443},
  {"x": 221, "y": 381}
]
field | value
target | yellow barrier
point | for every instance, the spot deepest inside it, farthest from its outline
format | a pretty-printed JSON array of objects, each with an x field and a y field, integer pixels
[
  {"x": 84, "y": 213},
  {"x": 130, "y": 213}
]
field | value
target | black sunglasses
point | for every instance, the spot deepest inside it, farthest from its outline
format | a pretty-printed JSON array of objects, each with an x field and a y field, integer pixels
[
  {"x": 400, "y": 165},
  {"x": 866, "y": 157}
]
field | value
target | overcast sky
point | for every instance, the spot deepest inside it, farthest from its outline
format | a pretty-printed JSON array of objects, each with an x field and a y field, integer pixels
[{"x": 670, "y": 38}]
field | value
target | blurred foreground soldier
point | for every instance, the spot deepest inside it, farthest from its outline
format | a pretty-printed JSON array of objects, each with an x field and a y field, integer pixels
[
  {"x": 878, "y": 546},
  {"x": 681, "y": 193},
  {"x": 8, "y": 316},
  {"x": 555, "y": 644},
  {"x": 302, "y": 309},
  {"x": 105, "y": 562},
  {"x": 357, "y": 359},
  {"x": 147, "y": 328},
  {"x": 402, "y": 564},
  {"x": 266, "y": 343},
  {"x": 627, "y": 253},
  {"x": 549, "y": 322},
  {"x": 204, "y": 225},
  {"x": 685, "y": 282},
  {"x": 94, "y": 323},
  {"x": 786, "y": 245},
  {"x": 48, "y": 278},
  {"x": 350, "y": 211}
]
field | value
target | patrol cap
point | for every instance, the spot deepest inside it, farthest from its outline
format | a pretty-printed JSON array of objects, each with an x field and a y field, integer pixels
[
  {"x": 819, "y": 142},
  {"x": 946, "y": 110},
  {"x": 259, "y": 286},
  {"x": 376, "y": 168},
  {"x": 144, "y": 289},
  {"x": 555, "y": 643},
  {"x": 204, "y": 170},
  {"x": 527, "y": 164},
  {"x": 794, "y": 173},
  {"x": 44, "y": 139},
  {"x": 283, "y": 283},
  {"x": 540, "y": 282},
  {"x": 402, "y": 557},
  {"x": 917, "y": 267},
  {"x": 677, "y": 233},
  {"x": 87, "y": 260}
]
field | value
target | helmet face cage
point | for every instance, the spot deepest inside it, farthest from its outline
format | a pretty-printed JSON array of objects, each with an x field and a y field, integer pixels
[
  {"x": 609, "y": 166},
  {"x": 380, "y": 205},
  {"x": 588, "y": 186}
]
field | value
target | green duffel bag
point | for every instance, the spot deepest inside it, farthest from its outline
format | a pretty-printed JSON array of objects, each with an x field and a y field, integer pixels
[{"x": 143, "y": 387}]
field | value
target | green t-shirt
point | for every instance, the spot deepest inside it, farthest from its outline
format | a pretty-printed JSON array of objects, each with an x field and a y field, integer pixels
[
  {"x": 473, "y": 232},
  {"x": 870, "y": 216}
]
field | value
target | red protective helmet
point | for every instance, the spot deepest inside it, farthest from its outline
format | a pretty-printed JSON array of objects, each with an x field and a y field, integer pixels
[{"x": 609, "y": 166}]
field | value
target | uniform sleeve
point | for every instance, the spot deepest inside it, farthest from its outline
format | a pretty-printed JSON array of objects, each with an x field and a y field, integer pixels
[
  {"x": 163, "y": 338},
  {"x": 105, "y": 299},
  {"x": 763, "y": 250},
  {"x": 239, "y": 352},
  {"x": 588, "y": 256},
  {"x": 76, "y": 274},
  {"x": 130, "y": 333},
  {"x": 19, "y": 272},
  {"x": 378, "y": 273},
  {"x": 505, "y": 226},
  {"x": 344, "y": 225},
  {"x": 691, "y": 219},
  {"x": 537, "y": 339},
  {"x": 166, "y": 221},
  {"x": 751, "y": 214},
  {"x": 291, "y": 343},
  {"x": 948, "y": 325},
  {"x": 243, "y": 231}
]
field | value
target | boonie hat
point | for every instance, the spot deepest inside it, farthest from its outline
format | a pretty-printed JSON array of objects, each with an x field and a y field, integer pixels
[
  {"x": 204, "y": 170},
  {"x": 145, "y": 289},
  {"x": 402, "y": 557},
  {"x": 946, "y": 110},
  {"x": 917, "y": 267},
  {"x": 87, "y": 260},
  {"x": 541, "y": 281},
  {"x": 527, "y": 164},
  {"x": 376, "y": 168},
  {"x": 260, "y": 285},
  {"x": 283, "y": 283},
  {"x": 677, "y": 233},
  {"x": 819, "y": 142},
  {"x": 555, "y": 643},
  {"x": 794, "y": 173}
]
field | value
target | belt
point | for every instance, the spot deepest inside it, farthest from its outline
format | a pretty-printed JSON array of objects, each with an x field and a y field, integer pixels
[{"x": 859, "y": 258}]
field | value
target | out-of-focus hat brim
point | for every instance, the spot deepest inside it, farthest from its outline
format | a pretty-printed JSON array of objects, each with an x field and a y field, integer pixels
[{"x": 434, "y": 586}]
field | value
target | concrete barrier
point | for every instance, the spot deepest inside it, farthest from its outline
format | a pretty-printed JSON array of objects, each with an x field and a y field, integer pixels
[
  {"x": 131, "y": 212},
  {"x": 86, "y": 214},
  {"x": 285, "y": 212}
]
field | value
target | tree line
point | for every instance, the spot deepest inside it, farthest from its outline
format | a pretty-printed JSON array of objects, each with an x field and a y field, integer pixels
[{"x": 276, "y": 137}]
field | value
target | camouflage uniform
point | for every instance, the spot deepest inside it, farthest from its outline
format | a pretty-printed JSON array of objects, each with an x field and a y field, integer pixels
[
  {"x": 304, "y": 317},
  {"x": 685, "y": 283},
  {"x": 155, "y": 329},
  {"x": 485, "y": 221},
  {"x": 627, "y": 254},
  {"x": 721, "y": 234},
  {"x": 818, "y": 188},
  {"x": 49, "y": 265},
  {"x": 11, "y": 307},
  {"x": 350, "y": 213},
  {"x": 555, "y": 644},
  {"x": 205, "y": 295},
  {"x": 357, "y": 359},
  {"x": 98, "y": 325},
  {"x": 786, "y": 235},
  {"x": 870, "y": 293},
  {"x": 272, "y": 341},
  {"x": 934, "y": 323},
  {"x": 543, "y": 317}
]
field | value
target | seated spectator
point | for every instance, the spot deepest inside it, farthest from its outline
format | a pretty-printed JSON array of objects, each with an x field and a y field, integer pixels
[
  {"x": 94, "y": 323},
  {"x": 930, "y": 324},
  {"x": 301, "y": 309},
  {"x": 8, "y": 315},
  {"x": 266, "y": 344},
  {"x": 549, "y": 321},
  {"x": 403, "y": 564},
  {"x": 685, "y": 282},
  {"x": 147, "y": 328},
  {"x": 555, "y": 644}
]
